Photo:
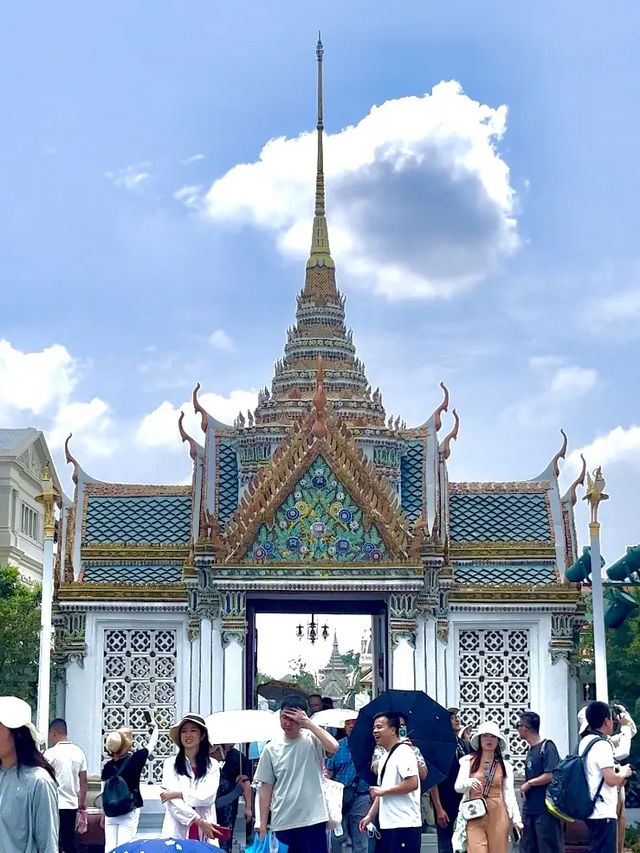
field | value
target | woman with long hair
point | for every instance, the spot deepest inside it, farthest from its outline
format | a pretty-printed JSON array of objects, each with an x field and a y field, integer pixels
[
  {"x": 486, "y": 774},
  {"x": 28, "y": 790},
  {"x": 128, "y": 764},
  {"x": 190, "y": 781}
]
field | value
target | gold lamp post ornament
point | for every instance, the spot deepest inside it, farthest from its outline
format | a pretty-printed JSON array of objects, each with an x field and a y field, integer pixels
[{"x": 594, "y": 496}]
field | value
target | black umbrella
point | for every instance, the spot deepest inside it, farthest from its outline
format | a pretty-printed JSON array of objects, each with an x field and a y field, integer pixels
[{"x": 428, "y": 727}]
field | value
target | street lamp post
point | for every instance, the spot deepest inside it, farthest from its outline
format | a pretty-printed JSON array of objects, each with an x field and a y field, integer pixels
[{"x": 595, "y": 494}]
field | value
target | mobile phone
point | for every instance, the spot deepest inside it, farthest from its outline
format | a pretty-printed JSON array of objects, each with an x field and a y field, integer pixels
[
  {"x": 147, "y": 716},
  {"x": 225, "y": 832},
  {"x": 516, "y": 834}
]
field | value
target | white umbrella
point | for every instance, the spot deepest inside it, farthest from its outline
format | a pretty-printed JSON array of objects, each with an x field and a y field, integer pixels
[
  {"x": 242, "y": 726},
  {"x": 334, "y": 718}
]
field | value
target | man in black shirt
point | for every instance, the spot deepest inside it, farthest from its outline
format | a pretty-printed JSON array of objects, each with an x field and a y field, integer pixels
[
  {"x": 446, "y": 800},
  {"x": 542, "y": 833}
]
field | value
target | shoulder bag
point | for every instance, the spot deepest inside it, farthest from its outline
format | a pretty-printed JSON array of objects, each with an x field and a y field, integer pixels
[{"x": 477, "y": 807}]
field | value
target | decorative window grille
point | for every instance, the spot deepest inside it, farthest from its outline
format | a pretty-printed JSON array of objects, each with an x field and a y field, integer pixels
[
  {"x": 494, "y": 682},
  {"x": 139, "y": 674}
]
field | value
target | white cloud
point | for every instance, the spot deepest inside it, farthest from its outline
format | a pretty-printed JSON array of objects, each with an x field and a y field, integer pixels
[
  {"x": 574, "y": 381},
  {"x": 561, "y": 385},
  {"x": 190, "y": 196},
  {"x": 35, "y": 380},
  {"x": 160, "y": 427},
  {"x": 619, "y": 445},
  {"x": 193, "y": 159},
  {"x": 43, "y": 383},
  {"x": 221, "y": 340},
  {"x": 131, "y": 178},
  {"x": 420, "y": 202},
  {"x": 623, "y": 307}
]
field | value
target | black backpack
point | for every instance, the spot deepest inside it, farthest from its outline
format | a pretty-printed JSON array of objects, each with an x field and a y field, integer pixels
[
  {"x": 117, "y": 798},
  {"x": 568, "y": 796}
]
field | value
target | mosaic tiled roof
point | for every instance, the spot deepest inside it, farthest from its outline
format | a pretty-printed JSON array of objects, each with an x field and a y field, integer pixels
[
  {"x": 411, "y": 479},
  {"x": 539, "y": 572},
  {"x": 133, "y": 574},
  {"x": 498, "y": 517},
  {"x": 153, "y": 519},
  {"x": 227, "y": 482}
]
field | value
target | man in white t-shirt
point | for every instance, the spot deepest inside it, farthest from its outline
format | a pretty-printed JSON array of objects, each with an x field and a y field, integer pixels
[
  {"x": 70, "y": 765},
  {"x": 290, "y": 777},
  {"x": 396, "y": 797},
  {"x": 605, "y": 778}
]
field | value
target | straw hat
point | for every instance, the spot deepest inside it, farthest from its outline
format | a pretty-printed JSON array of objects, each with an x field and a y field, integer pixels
[
  {"x": 15, "y": 713},
  {"x": 489, "y": 728},
  {"x": 119, "y": 741},
  {"x": 174, "y": 731}
]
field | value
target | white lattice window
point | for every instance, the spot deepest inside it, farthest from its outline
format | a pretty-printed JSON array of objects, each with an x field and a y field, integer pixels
[
  {"x": 139, "y": 674},
  {"x": 494, "y": 681}
]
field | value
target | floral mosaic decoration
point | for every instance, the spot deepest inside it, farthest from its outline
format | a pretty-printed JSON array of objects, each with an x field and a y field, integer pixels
[{"x": 318, "y": 521}]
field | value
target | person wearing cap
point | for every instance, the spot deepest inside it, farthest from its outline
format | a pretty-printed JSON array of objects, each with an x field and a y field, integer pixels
[
  {"x": 290, "y": 777},
  {"x": 70, "y": 765},
  {"x": 604, "y": 776},
  {"x": 123, "y": 828},
  {"x": 445, "y": 798},
  {"x": 543, "y": 832},
  {"x": 28, "y": 789},
  {"x": 190, "y": 781},
  {"x": 485, "y": 769}
]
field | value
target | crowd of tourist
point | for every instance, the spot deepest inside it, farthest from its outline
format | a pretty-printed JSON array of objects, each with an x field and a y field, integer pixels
[{"x": 43, "y": 796}]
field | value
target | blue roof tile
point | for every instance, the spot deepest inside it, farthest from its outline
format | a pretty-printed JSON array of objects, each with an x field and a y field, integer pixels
[
  {"x": 411, "y": 478},
  {"x": 152, "y": 519},
  {"x": 132, "y": 574},
  {"x": 539, "y": 572},
  {"x": 498, "y": 517}
]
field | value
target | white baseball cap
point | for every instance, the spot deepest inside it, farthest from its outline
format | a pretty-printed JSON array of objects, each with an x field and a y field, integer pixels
[{"x": 15, "y": 713}]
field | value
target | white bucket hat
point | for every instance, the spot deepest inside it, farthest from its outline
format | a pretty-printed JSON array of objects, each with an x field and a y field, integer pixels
[
  {"x": 15, "y": 713},
  {"x": 583, "y": 725},
  {"x": 489, "y": 728}
]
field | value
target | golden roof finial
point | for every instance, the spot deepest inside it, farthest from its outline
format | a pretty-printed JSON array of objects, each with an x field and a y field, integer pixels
[
  {"x": 571, "y": 493},
  {"x": 204, "y": 419},
  {"x": 71, "y": 460},
  {"x": 320, "y": 254},
  {"x": 319, "y": 428}
]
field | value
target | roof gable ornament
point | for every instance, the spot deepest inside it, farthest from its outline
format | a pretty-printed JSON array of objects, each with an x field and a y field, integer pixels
[
  {"x": 194, "y": 447},
  {"x": 435, "y": 418},
  {"x": 445, "y": 446},
  {"x": 552, "y": 470},
  {"x": 274, "y": 485},
  {"x": 571, "y": 493}
]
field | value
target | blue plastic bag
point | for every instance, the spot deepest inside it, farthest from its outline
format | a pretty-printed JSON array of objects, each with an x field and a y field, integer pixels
[{"x": 265, "y": 846}]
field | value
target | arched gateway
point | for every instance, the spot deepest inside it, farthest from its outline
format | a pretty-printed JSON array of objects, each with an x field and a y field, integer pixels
[{"x": 315, "y": 501}]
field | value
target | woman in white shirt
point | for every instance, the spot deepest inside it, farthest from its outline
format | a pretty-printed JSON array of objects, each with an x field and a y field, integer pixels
[
  {"x": 486, "y": 770},
  {"x": 190, "y": 781}
]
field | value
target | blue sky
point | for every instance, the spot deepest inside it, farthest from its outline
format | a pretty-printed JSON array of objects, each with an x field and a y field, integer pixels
[{"x": 488, "y": 238}]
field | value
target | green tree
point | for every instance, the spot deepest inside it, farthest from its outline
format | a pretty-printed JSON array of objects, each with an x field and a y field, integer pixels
[
  {"x": 301, "y": 676},
  {"x": 351, "y": 659},
  {"x": 623, "y": 662},
  {"x": 19, "y": 636}
]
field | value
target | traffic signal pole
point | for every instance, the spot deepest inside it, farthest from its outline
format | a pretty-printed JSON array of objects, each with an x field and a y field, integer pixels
[
  {"x": 597, "y": 603},
  {"x": 595, "y": 494}
]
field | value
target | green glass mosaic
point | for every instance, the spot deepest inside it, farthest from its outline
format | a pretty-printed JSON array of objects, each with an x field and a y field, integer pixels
[{"x": 319, "y": 520}]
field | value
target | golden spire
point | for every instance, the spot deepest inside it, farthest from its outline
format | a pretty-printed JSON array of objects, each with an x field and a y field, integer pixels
[{"x": 320, "y": 254}]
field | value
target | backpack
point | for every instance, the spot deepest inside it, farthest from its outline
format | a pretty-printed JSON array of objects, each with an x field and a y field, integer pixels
[
  {"x": 567, "y": 796},
  {"x": 117, "y": 798}
]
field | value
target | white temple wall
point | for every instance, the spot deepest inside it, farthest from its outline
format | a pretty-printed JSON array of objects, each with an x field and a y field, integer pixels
[{"x": 84, "y": 691}]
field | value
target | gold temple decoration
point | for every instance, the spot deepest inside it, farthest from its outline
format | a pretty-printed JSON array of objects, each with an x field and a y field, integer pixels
[
  {"x": 48, "y": 498},
  {"x": 452, "y": 436},
  {"x": 184, "y": 435},
  {"x": 204, "y": 418},
  {"x": 595, "y": 493},
  {"x": 579, "y": 481},
  {"x": 319, "y": 428},
  {"x": 561, "y": 454},
  {"x": 320, "y": 254},
  {"x": 271, "y": 485}
]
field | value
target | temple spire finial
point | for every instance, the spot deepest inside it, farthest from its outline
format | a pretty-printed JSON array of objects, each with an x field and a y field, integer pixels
[{"x": 320, "y": 254}]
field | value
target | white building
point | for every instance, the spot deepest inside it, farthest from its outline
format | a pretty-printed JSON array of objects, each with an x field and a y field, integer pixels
[{"x": 23, "y": 456}]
